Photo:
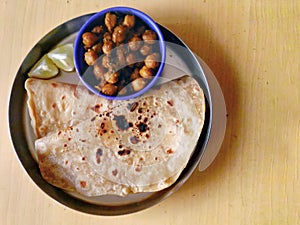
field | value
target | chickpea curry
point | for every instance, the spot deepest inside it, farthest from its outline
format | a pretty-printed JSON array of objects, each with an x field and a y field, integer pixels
[{"x": 123, "y": 53}]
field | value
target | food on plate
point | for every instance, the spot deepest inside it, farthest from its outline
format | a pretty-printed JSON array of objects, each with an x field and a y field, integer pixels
[
  {"x": 61, "y": 57},
  {"x": 138, "y": 145},
  {"x": 117, "y": 47},
  {"x": 44, "y": 69},
  {"x": 53, "y": 105}
]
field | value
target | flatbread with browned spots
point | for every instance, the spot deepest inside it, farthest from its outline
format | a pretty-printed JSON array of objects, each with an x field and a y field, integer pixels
[{"x": 131, "y": 146}]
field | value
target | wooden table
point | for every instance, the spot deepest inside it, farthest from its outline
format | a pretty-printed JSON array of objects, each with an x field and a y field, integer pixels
[{"x": 253, "y": 47}]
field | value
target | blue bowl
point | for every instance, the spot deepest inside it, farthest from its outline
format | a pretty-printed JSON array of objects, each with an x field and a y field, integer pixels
[{"x": 83, "y": 70}]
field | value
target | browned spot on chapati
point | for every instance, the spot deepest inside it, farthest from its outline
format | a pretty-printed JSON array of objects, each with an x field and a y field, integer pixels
[
  {"x": 82, "y": 184},
  {"x": 96, "y": 108},
  {"x": 170, "y": 102},
  {"x": 99, "y": 153},
  {"x": 134, "y": 140},
  {"x": 132, "y": 106},
  {"x": 114, "y": 172},
  {"x": 170, "y": 151},
  {"x": 124, "y": 152}
]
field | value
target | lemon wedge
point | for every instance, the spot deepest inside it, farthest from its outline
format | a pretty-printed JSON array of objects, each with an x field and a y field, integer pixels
[
  {"x": 62, "y": 56},
  {"x": 44, "y": 69}
]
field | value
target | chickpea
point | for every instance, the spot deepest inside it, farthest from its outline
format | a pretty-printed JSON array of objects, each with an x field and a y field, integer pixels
[
  {"x": 121, "y": 59},
  {"x": 90, "y": 57},
  {"x": 109, "y": 89},
  {"x": 100, "y": 84},
  {"x": 129, "y": 21},
  {"x": 99, "y": 71},
  {"x": 89, "y": 39},
  {"x": 97, "y": 48},
  {"x": 138, "y": 84},
  {"x": 106, "y": 36},
  {"x": 146, "y": 50},
  {"x": 135, "y": 43},
  {"x": 151, "y": 61},
  {"x": 110, "y": 21},
  {"x": 146, "y": 72},
  {"x": 135, "y": 74},
  {"x": 130, "y": 59},
  {"x": 111, "y": 77},
  {"x": 105, "y": 61},
  {"x": 98, "y": 29},
  {"x": 149, "y": 36},
  {"x": 107, "y": 47},
  {"x": 119, "y": 34}
]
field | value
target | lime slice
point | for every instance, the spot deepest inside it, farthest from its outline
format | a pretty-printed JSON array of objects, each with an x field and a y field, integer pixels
[
  {"x": 43, "y": 69},
  {"x": 62, "y": 56}
]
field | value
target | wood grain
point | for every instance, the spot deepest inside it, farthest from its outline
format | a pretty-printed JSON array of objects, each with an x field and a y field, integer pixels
[{"x": 253, "y": 47}]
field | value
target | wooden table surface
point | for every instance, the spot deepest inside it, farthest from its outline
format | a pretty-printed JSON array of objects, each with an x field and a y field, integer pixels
[{"x": 253, "y": 47}]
